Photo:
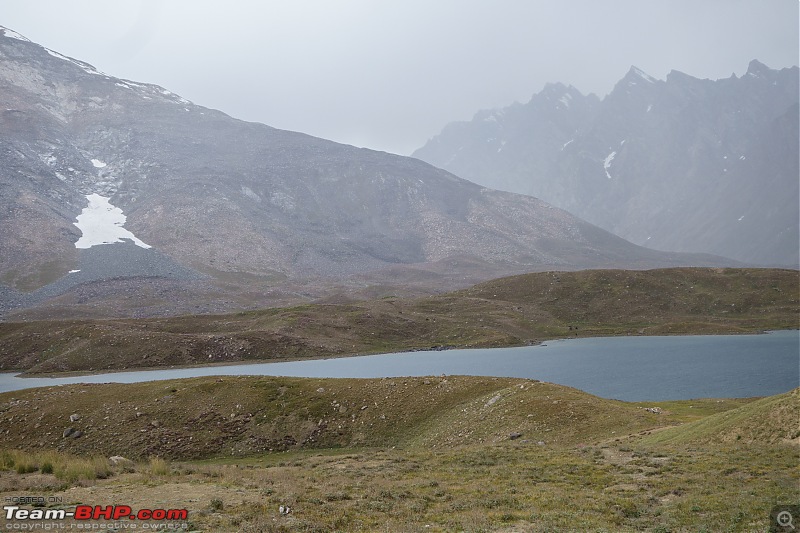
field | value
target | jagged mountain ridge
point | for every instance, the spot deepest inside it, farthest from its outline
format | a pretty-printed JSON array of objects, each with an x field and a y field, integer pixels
[
  {"x": 221, "y": 197},
  {"x": 681, "y": 164}
]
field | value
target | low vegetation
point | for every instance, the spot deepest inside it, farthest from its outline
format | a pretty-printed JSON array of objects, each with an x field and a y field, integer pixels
[
  {"x": 419, "y": 454},
  {"x": 506, "y": 312},
  {"x": 445, "y": 453}
]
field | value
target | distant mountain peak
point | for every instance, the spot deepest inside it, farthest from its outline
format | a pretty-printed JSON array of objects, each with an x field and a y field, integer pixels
[
  {"x": 636, "y": 72},
  {"x": 706, "y": 165},
  {"x": 635, "y": 78},
  {"x": 677, "y": 76},
  {"x": 554, "y": 87},
  {"x": 248, "y": 204},
  {"x": 757, "y": 68}
]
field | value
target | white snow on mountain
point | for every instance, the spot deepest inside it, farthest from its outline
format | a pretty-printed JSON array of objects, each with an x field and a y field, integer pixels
[
  {"x": 607, "y": 163},
  {"x": 101, "y": 223},
  {"x": 645, "y": 76},
  {"x": 98, "y": 164},
  {"x": 86, "y": 67},
  {"x": 14, "y": 35}
]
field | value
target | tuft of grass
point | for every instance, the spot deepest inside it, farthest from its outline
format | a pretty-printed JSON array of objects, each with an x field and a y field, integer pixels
[
  {"x": 75, "y": 469},
  {"x": 66, "y": 467},
  {"x": 159, "y": 467},
  {"x": 26, "y": 468}
]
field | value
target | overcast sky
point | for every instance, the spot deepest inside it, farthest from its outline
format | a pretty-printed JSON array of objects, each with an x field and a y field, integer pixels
[{"x": 388, "y": 74}]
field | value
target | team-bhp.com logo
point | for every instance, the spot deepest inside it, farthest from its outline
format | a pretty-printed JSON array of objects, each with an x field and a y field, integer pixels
[{"x": 14, "y": 514}]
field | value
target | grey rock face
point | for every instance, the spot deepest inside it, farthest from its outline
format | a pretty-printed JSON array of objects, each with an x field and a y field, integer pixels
[
  {"x": 215, "y": 196},
  {"x": 684, "y": 164}
]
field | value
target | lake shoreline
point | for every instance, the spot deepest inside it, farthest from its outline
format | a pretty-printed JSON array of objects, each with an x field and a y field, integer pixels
[
  {"x": 23, "y": 374},
  {"x": 627, "y": 368}
]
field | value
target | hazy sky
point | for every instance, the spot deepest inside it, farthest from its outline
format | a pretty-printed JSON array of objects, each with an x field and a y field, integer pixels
[{"x": 389, "y": 75}]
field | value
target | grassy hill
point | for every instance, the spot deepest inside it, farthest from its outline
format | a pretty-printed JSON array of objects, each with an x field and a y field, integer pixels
[
  {"x": 409, "y": 454},
  {"x": 447, "y": 453},
  {"x": 775, "y": 419},
  {"x": 240, "y": 416},
  {"x": 505, "y": 312}
]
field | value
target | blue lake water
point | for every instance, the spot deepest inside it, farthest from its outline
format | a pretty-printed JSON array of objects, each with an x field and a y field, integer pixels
[{"x": 625, "y": 368}]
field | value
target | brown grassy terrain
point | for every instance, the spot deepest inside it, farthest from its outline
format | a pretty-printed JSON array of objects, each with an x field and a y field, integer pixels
[
  {"x": 415, "y": 454},
  {"x": 447, "y": 453},
  {"x": 509, "y": 311},
  {"x": 238, "y": 416}
]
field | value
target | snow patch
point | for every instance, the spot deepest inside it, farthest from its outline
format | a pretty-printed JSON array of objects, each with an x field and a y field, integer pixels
[
  {"x": 502, "y": 144},
  {"x": 740, "y": 218},
  {"x": 48, "y": 159},
  {"x": 742, "y": 158},
  {"x": 14, "y": 35},
  {"x": 649, "y": 108},
  {"x": 101, "y": 223},
  {"x": 607, "y": 163},
  {"x": 98, "y": 164},
  {"x": 565, "y": 99},
  {"x": 83, "y": 66},
  {"x": 491, "y": 115},
  {"x": 247, "y": 191},
  {"x": 644, "y": 75},
  {"x": 74, "y": 271},
  {"x": 567, "y": 144}
]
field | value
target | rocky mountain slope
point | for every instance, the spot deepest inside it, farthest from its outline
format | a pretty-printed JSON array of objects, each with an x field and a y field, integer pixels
[
  {"x": 103, "y": 178},
  {"x": 681, "y": 164}
]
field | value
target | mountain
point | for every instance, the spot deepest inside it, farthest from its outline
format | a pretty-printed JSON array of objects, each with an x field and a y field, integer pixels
[
  {"x": 118, "y": 197},
  {"x": 681, "y": 164}
]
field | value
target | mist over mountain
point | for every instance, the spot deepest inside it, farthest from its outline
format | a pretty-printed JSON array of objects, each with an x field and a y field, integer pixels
[
  {"x": 119, "y": 197},
  {"x": 681, "y": 164}
]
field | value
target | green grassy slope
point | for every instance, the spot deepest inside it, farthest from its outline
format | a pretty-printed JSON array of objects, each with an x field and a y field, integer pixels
[
  {"x": 240, "y": 416},
  {"x": 505, "y": 312},
  {"x": 408, "y": 454},
  {"x": 775, "y": 419}
]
